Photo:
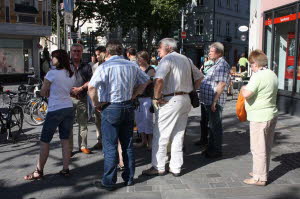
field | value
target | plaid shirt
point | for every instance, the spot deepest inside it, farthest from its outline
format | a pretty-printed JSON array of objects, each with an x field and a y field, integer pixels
[{"x": 218, "y": 73}]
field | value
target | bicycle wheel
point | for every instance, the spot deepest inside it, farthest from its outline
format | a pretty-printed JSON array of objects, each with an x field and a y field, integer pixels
[
  {"x": 38, "y": 112},
  {"x": 27, "y": 111},
  {"x": 15, "y": 122}
]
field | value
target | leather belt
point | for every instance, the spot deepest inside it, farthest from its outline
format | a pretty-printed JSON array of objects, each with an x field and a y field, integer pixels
[{"x": 176, "y": 93}]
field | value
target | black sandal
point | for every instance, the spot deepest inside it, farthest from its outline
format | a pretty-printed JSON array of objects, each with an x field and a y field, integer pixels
[
  {"x": 65, "y": 172},
  {"x": 32, "y": 177}
]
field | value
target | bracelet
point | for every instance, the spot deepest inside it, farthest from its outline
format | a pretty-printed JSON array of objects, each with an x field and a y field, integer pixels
[{"x": 157, "y": 98}]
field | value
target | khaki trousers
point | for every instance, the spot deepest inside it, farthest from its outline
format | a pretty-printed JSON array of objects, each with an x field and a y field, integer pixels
[
  {"x": 261, "y": 141},
  {"x": 170, "y": 123},
  {"x": 80, "y": 109}
]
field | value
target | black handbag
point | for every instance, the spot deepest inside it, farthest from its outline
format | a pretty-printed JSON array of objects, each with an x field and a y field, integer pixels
[{"x": 193, "y": 94}]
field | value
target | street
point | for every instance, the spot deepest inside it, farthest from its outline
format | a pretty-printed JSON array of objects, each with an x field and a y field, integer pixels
[{"x": 202, "y": 178}]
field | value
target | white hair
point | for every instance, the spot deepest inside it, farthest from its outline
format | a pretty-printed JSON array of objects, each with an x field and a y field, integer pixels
[
  {"x": 218, "y": 46},
  {"x": 77, "y": 44},
  {"x": 170, "y": 42}
]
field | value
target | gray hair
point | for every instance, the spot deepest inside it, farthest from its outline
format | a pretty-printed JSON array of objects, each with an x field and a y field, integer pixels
[
  {"x": 218, "y": 46},
  {"x": 170, "y": 42},
  {"x": 77, "y": 44}
]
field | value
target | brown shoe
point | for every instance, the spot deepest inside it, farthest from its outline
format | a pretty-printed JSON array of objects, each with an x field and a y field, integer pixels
[
  {"x": 85, "y": 151},
  {"x": 153, "y": 172},
  {"x": 251, "y": 181}
]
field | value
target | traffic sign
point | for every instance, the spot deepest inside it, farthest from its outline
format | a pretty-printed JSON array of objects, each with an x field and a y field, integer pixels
[
  {"x": 68, "y": 18},
  {"x": 183, "y": 35}
]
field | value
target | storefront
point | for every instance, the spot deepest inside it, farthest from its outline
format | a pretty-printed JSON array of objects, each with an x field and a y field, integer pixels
[{"x": 282, "y": 45}]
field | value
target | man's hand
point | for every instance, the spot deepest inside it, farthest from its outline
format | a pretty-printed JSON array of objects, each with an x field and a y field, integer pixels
[
  {"x": 213, "y": 107},
  {"x": 76, "y": 91},
  {"x": 157, "y": 103}
]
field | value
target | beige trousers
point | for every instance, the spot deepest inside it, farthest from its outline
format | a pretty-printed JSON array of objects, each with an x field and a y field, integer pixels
[
  {"x": 261, "y": 141},
  {"x": 80, "y": 107}
]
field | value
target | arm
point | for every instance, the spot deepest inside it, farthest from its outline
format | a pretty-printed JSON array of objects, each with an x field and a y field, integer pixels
[
  {"x": 140, "y": 89},
  {"x": 198, "y": 82},
  {"x": 158, "y": 98},
  {"x": 45, "y": 90},
  {"x": 246, "y": 93},
  {"x": 219, "y": 91}
]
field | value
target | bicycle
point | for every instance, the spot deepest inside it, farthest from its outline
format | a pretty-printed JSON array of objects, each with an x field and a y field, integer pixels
[{"x": 11, "y": 118}]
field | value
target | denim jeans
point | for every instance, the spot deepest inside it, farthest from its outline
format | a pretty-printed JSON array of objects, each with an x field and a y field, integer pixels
[
  {"x": 117, "y": 123},
  {"x": 215, "y": 128}
]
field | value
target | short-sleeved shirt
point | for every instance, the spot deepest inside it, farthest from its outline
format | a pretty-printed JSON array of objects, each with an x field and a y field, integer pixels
[
  {"x": 116, "y": 78},
  {"x": 60, "y": 89},
  {"x": 218, "y": 73},
  {"x": 176, "y": 71},
  {"x": 261, "y": 106}
]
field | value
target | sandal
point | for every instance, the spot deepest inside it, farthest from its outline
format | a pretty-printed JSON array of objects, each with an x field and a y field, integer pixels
[
  {"x": 31, "y": 176},
  {"x": 65, "y": 172}
]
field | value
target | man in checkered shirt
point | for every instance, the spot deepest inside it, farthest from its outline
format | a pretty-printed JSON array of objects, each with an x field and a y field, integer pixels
[{"x": 213, "y": 93}]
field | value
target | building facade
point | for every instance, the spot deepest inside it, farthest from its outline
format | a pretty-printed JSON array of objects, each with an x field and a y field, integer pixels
[
  {"x": 22, "y": 23},
  {"x": 208, "y": 21},
  {"x": 274, "y": 26}
]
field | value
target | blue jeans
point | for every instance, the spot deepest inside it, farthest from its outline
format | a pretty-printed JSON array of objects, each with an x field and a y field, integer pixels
[
  {"x": 215, "y": 128},
  {"x": 117, "y": 123}
]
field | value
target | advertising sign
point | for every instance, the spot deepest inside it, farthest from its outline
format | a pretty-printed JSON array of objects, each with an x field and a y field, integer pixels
[
  {"x": 11, "y": 60},
  {"x": 68, "y": 5}
]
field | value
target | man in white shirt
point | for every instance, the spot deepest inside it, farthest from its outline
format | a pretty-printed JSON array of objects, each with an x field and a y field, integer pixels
[{"x": 173, "y": 83}]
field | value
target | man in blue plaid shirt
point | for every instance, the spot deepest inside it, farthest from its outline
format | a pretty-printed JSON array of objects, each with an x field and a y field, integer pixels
[{"x": 213, "y": 97}]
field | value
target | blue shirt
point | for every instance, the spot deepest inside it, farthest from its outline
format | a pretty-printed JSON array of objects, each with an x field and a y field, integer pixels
[
  {"x": 219, "y": 72},
  {"x": 116, "y": 78}
]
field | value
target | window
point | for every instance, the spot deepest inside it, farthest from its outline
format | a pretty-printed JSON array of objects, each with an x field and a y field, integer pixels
[
  {"x": 25, "y": 2},
  {"x": 199, "y": 27},
  {"x": 227, "y": 28},
  {"x": 236, "y": 29},
  {"x": 220, "y": 3},
  {"x": 228, "y": 3},
  {"x": 218, "y": 27},
  {"x": 237, "y": 6},
  {"x": 200, "y": 2}
]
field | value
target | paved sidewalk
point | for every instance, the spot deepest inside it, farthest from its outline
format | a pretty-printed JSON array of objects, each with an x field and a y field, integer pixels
[{"x": 202, "y": 178}]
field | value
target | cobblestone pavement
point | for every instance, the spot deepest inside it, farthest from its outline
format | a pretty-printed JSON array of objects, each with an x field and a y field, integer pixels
[{"x": 202, "y": 178}]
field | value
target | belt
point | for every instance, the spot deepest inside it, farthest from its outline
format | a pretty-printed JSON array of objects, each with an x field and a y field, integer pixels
[{"x": 176, "y": 93}]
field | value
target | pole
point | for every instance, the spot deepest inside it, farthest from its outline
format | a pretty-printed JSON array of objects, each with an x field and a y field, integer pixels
[
  {"x": 58, "y": 24},
  {"x": 182, "y": 29},
  {"x": 66, "y": 37}
]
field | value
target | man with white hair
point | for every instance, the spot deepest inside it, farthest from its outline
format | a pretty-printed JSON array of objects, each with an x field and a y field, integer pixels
[
  {"x": 173, "y": 83},
  {"x": 213, "y": 95}
]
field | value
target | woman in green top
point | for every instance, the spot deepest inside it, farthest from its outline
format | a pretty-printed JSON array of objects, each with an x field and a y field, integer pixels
[{"x": 260, "y": 104}]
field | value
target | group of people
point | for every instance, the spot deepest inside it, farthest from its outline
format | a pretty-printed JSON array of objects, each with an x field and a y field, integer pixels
[{"x": 115, "y": 84}]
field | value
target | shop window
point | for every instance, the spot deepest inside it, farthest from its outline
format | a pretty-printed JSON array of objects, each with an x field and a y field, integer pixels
[
  {"x": 220, "y": 3},
  {"x": 284, "y": 47},
  {"x": 15, "y": 56}
]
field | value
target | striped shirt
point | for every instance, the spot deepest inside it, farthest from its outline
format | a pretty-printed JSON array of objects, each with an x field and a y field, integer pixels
[
  {"x": 116, "y": 78},
  {"x": 218, "y": 73}
]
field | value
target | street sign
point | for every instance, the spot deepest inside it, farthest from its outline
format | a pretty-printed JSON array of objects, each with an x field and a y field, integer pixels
[
  {"x": 243, "y": 28},
  {"x": 68, "y": 5},
  {"x": 73, "y": 35},
  {"x": 68, "y": 18},
  {"x": 183, "y": 35}
]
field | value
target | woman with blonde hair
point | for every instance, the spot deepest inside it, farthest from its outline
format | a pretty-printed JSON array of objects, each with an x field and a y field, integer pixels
[{"x": 260, "y": 104}]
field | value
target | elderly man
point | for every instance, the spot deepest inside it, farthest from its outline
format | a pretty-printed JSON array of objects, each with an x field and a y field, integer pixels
[
  {"x": 111, "y": 90},
  {"x": 83, "y": 74},
  {"x": 213, "y": 95},
  {"x": 173, "y": 82}
]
